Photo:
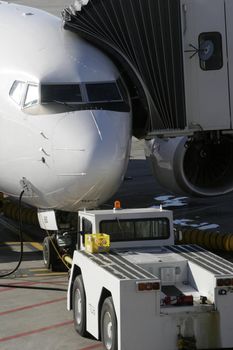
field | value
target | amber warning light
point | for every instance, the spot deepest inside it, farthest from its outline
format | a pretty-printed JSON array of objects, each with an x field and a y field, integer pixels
[
  {"x": 147, "y": 286},
  {"x": 224, "y": 282},
  {"x": 117, "y": 205}
]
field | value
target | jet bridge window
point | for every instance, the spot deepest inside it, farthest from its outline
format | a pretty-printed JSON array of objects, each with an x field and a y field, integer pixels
[
  {"x": 66, "y": 93},
  {"x": 210, "y": 51},
  {"x": 17, "y": 91},
  {"x": 137, "y": 229}
]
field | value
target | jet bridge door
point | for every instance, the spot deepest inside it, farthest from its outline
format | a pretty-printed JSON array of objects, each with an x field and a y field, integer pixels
[{"x": 205, "y": 63}]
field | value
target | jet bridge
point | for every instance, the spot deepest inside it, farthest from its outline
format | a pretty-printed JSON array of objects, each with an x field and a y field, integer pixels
[
  {"x": 175, "y": 56},
  {"x": 144, "y": 39}
]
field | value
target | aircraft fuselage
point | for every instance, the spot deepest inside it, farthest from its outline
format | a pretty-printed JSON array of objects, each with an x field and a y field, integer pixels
[{"x": 65, "y": 116}]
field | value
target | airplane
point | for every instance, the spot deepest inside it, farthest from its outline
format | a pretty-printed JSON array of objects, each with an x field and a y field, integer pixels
[{"x": 65, "y": 114}]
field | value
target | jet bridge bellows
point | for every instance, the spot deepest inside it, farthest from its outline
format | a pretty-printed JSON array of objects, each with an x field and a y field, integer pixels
[{"x": 144, "y": 39}]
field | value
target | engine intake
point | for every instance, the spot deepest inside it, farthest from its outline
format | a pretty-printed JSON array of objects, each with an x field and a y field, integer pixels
[{"x": 201, "y": 166}]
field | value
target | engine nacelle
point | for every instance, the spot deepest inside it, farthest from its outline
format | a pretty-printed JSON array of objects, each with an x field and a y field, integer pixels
[{"x": 200, "y": 166}]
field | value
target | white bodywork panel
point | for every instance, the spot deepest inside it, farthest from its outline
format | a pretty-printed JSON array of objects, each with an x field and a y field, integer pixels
[
  {"x": 47, "y": 220},
  {"x": 143, "y": 320}
]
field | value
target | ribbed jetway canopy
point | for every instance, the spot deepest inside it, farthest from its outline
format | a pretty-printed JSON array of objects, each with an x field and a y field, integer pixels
[{"x": 144, "y": 39}]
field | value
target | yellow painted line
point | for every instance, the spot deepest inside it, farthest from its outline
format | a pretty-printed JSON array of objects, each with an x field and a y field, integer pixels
[
  {"x": 25, "y": 236},
  {"x": 39, "y": 270},
  {"x": 9, "y": 243},
  {"x": 51, "y": 274},
  {"x": 36, "y": 245}
]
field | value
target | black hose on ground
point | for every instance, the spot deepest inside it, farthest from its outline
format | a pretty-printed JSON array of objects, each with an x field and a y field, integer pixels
[{"x": 20, "y": 238}]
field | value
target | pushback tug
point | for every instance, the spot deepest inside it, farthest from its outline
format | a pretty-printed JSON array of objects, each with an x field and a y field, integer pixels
[{"x": 134, "y": 289}]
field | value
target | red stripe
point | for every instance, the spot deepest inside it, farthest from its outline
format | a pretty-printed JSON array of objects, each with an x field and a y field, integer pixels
[
  {"x": 34, "y": 282},
  {"x": 96, "y": 346},
  {"x": 24, "y": 334},
  {"x": 55, "y": 282},
  {"x": 31, "y": 306}
]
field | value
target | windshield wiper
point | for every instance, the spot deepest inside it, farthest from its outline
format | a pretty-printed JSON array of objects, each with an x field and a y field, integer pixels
[
  {"x": 119, "y": 225},
  {"x": 64, "y": 103}
]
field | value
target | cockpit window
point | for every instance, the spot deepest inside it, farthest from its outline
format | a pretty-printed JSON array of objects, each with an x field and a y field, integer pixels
[
  {"x": 86, "y": 96},
  {"x": 103, "y": 92},
  {"x": 32, "y": 96},
  {"x": 24, "y": 94},
  {"x": 17, "y": 91},
  {"x": 109, "y": 95},
  {"x": 61, "y": 93}
]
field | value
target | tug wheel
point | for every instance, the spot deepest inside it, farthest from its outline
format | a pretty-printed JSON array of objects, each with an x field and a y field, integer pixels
[
  {"x": 49, "y": 255},
  {"x": 109, "y": 325},
  {"x": 79, "y": 306}
]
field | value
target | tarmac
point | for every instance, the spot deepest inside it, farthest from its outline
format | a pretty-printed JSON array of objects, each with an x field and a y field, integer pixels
[{"x": 33, "y": 313}]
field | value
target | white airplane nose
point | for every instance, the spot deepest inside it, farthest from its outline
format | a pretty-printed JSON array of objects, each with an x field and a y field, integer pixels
[{"x": 90, "y": 155}]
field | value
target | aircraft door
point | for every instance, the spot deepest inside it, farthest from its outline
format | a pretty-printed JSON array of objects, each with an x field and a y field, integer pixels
[{"x": 205, "y": 64}]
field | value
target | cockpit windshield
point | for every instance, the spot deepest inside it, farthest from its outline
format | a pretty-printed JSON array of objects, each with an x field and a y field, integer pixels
[
  {"x": 103, "y": 92},
  {"x": 62, "y": 93},
  {"x": 24, "y": 94},
  {"x": 110, "y": 95},
  {"x": 32, "y": 95},
  {"x": 84, "y": 96},
  {"x": 17, "y": 91}
]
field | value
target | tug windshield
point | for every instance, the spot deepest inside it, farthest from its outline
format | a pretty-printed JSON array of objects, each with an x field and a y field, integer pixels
[{"x": 137, "y": 229}]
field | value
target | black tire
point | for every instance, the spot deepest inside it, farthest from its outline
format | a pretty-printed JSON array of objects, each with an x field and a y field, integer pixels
[
  {"x": 49, "y": 254},
  {"x": 108, "y": 324},
  {"x": 79, "y": 306}
]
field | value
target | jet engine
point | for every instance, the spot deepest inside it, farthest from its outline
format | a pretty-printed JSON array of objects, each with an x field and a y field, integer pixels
[{"x": 199, "y": 166}]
